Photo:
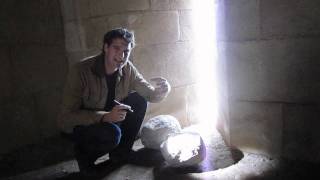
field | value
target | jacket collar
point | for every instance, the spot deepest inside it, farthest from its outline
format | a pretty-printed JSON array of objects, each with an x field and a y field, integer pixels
[{"x": 98, "y": 67}]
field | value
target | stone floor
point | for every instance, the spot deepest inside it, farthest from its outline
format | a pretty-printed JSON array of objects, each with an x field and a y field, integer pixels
[{"x": 222, "y": 163}]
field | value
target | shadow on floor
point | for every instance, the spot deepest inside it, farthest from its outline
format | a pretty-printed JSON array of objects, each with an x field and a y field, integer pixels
[
  {"x": 35, "y": 156},
  {"x": 290, "y": 169},
  {"x": 58, "y": 149}
]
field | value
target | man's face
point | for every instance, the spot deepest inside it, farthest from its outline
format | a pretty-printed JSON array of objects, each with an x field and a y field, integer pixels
[{"x": 117, "y": 53}]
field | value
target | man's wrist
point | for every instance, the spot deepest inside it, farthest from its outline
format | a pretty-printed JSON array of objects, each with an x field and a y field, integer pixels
[{"x": 104, "y": 118}]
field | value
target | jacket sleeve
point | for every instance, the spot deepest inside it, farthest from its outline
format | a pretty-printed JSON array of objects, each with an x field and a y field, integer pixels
[
  {"x": 143, "y": 87},
  {"x": 71, "y": 112}
]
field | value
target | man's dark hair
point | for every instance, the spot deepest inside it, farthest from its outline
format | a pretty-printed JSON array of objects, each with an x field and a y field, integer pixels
[{"x": 119, "y": 33}]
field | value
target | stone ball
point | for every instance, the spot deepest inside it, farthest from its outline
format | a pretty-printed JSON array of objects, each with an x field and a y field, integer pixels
[
  {"x": 156, "y": 130},
  {"x": 183, "y": 149}
]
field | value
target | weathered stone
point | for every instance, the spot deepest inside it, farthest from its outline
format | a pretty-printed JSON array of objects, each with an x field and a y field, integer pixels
[
  {"x": 273, "y": 70},
  {"x": 5, "y": 74},
  {"x": 300, "y": 137},
  {"x": 160, "y": 4},
  {"x": 174, "y": 104},
  {"x": 186, "y": 27},
  {"x": 289, "y": 18},
  {"x": 20, "y": 123},
  {"x": 94, "y": 29},
  {"x": 150, "y": 28},
  {"x": 47, "y": 112},
  {"x": 68, "y": 9},
  {"x": 181, "y": 4},
  {"x": 156, "y": 130},
  {"x": 242, "y": 19},
  {"x": 183, "y": 149},
  {"x": 166, "y": 58},
  {"x": 37, "y": 68},
  {"x": 98, "y": 7},
  {"x": 72, "y": 36},
  {"x": 256, "y": 127}
]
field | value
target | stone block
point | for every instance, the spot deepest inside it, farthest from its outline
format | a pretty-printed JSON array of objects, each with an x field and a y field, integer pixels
[
  {"x": 156, "y": 28},
  {"x": 37, "y": 68},
  {"x": 125, "y": 20},
  {"x": 148, "y": 26},
  {"x": 98, "y": 7},
  {"x": 256, "y": 127},
  {"x": 75, "y": 56},
  {"x": 151, "y": 61},
  {"x": 72, "y": 36},
  {"x": 276, "y": 70},
  {"x": 174, "y": 104},
  {"x": 45, "y": 32},
  {"x": 242, "y": 19},
  {"x": 37, "y": 9},
  {"x": 94, "y": 29},
  {"x": 289, "y": 18},
  {"x": 182, "y": 4},
  {"x": 68, "y": 9},
  {"x": 165, "y": 58},
  {"x": 181, "y": 64},
  {"x": 186, "y": 27},
  {"x": 34, "y": 22},
  {"x": 20, "y": 123},
  {"x": 5, "y": 73},
  {"x": 300, "y": 132},
  {"x": 192, "y": 97},
  {"x": 47, "y": 107},
  {"x": 156, "y": 130},
  {"x": 83, "y": 9},
  {"x": 160, "y": 4}
]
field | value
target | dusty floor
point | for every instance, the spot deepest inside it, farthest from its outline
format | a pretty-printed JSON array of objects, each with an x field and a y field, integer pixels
[{"x": 221, "y": 163}]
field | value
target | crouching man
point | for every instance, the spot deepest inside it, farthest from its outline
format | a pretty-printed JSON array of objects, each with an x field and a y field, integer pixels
[{"x": 105, "y": 101}]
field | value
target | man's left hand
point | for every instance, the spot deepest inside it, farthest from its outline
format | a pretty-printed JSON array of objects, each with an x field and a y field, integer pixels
[{"x": 162, "y": 87}]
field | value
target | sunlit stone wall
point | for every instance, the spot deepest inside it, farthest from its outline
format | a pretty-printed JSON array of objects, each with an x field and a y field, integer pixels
[
  {"x": 163, "y": 34},
  {"x": 272, "y": 52}
]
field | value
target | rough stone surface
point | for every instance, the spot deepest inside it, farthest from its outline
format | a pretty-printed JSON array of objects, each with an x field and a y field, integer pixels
[
  {"x": 68, "y": 10},
  {"x": 5, "y": 74},
  {"x": 299, "y": 133},
  {"x": 98, "y": 7},
  {"x": 241, "y": 23},
  {"x": 160, "y": 4},
  {"x": 72, "y": 34},
  {"x": 256, "y": 127},
  {"x": 156, "y": 130},
  {"x": 174, "y": 104},
  {"x": 186, "y": 28},
  {"x": 275, "y": 70},
  {"x": 167, "y": 57},
  {"x": 94, "y": 29},
  {"x": 290, "y": 18},
  {"x": 181, "y": 4},
  {"x": 150, "y": 28},
  {"x": 183, "y": 149}
]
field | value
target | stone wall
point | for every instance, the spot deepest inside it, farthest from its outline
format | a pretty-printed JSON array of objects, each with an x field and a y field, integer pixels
[
  {"x": 272, "y": 52},
  {"x": 163, "y": 33},
  {"x": 33, "y": 66}
]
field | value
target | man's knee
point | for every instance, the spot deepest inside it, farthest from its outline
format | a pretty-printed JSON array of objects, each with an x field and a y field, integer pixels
[
  {"x": 137, "y": 100},
  {"x": 114, "y": 133},
  {"x": 101, "y": 133}
]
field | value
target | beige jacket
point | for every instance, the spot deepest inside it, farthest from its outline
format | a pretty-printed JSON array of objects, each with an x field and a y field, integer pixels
[{"x": 86, "y": 91}]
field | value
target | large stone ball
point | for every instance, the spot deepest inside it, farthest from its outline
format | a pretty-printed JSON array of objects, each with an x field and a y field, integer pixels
[
  {"x": 183, "y": 149},
  {"x": 156, "y": 130}
]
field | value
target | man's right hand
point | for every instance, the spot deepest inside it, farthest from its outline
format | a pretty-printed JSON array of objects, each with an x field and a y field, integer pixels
[{"x": 117, "y": 114}]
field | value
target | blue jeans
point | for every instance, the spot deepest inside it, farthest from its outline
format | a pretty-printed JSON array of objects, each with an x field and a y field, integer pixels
[{"x": 93, "y": 141}]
